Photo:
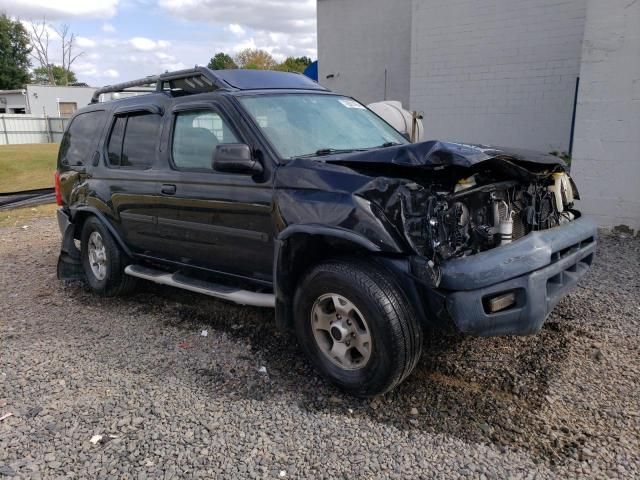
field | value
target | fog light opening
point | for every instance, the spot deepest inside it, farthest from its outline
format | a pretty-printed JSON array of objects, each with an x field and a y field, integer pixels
[{"x": 502, "y": 301}]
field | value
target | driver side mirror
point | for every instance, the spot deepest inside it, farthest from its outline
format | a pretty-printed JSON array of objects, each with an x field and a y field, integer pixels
[{"x": 235, "y": 158}]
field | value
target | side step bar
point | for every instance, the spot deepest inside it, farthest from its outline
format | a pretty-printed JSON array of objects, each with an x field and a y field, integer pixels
[{"x": 241, "y": 297}]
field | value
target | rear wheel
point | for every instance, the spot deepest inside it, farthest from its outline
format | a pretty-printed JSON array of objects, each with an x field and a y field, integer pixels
[
  {"x": 356, "y": 326},
  {"x": 103, "y": 261}
]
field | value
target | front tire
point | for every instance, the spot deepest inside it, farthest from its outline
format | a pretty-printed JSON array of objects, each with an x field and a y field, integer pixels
[
  {"x": 103, "y": 261},
  {"x": 357, "y": 327}
]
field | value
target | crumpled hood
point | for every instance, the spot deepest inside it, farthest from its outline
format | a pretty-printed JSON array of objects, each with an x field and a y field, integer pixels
[{"x": 436, "y": 153}]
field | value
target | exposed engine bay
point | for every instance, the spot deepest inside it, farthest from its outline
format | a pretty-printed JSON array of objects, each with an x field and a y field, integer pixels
[
  {"x": 451, "y": 212},
  {"x": 481, "y": 213},
  {"x": 479, "y": 217}
]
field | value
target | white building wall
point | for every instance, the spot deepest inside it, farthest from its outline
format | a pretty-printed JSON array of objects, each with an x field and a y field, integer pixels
[
  {"x": 11, "y": 100},
  {"x": 358, "y": 40},
  {"x": 606, "y": 163},
  {"x": 499, "y": 72},
  {"x": 43, "y": 99}
]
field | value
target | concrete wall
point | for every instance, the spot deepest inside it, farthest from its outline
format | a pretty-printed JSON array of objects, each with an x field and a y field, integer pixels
[
  {"x": 357, "y": 40},
  {"x": 500, "y": 72},
  {"x": 606, "y": 163},
  {"x": 43, "y": 99},
  {"x": 12, "y": 99}
]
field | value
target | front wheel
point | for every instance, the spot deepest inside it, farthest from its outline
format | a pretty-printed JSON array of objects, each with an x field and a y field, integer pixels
[{"x": 357, "y": 327}]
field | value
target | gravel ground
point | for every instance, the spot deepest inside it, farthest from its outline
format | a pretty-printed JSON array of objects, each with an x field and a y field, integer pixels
[{"x": 162, "y": 401}]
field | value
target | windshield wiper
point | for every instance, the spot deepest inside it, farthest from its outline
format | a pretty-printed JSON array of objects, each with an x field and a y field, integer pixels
[{"x": 330, "y": 151}]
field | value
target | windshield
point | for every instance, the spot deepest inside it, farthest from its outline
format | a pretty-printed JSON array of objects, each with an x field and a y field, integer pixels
[{"x": 311, "y": 124}]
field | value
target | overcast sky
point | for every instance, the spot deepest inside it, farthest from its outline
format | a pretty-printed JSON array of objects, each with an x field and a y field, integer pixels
[{"x": 126, "y": 39}]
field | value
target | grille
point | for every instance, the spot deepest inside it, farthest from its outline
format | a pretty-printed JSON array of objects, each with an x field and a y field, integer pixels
[
  {"x": 569, "y": 276},
  {"x": 560, "y": 254}
]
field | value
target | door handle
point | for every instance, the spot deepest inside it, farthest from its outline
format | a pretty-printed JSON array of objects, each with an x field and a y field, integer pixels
[{"x": 167, "y": 189}]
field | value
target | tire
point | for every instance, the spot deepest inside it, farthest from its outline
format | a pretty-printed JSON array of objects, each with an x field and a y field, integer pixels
[
  {"x": 106, "y": 277},
  {"x": 379, "y": 304}
]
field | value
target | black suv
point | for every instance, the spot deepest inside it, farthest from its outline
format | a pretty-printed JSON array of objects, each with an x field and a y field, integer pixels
[{"x": 264, "y": 188}]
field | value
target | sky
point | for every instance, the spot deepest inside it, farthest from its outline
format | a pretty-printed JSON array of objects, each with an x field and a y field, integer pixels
[{"x": 127, "y": 39}]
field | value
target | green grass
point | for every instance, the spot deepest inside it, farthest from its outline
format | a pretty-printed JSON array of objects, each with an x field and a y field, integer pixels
[{"x": 25, "y": 167}]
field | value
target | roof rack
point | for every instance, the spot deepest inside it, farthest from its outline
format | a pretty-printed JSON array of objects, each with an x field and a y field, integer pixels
[{"x": 198, "y": 78}]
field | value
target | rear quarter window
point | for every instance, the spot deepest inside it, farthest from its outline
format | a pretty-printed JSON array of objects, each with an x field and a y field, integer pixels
[
  {"x": 134, "y": 140},
  {"x": 80, "y": 138}
]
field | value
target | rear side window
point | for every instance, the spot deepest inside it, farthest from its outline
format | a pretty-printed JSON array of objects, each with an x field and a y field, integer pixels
[
  {"x": 77, "y": 143},
  {"x": 133, "y": 140},
  {"x": 114, "y": 150},
  {"x": 195, "y": 136}
]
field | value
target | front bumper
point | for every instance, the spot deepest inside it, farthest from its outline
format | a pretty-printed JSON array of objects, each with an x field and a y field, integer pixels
[{"x": 539, "y": 268}]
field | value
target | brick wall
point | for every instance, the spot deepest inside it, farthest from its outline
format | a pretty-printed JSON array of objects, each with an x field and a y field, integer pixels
[
  {"x": 500, "y": 72},
  {"x": 606, "y": 163},
  {"x": 357, "y": 40}
]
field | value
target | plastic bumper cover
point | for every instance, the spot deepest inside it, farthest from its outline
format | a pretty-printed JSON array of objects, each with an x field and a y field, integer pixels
[
  {"x": 539, "y": 269},
  {"x": 69, "y": 263}
]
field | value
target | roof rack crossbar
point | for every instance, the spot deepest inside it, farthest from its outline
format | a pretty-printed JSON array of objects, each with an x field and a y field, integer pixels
[
  {"x": 120, "y": 87},
  {"x": 216, "y": 81}
]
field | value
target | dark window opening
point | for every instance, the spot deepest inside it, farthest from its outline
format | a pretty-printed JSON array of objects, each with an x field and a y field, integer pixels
[
  {"x": 77, "y": 143},
  {"x": 133, "y": 141},
  {"x": 114, "y": 148}
]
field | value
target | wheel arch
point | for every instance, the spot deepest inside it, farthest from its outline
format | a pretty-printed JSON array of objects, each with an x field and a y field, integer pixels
[
  {"x": 80, "y": 216},
  {"x": 300, "y": 247}
]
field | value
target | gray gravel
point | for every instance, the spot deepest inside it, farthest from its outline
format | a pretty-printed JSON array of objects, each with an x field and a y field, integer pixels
[{"x": 162, "y": 401}]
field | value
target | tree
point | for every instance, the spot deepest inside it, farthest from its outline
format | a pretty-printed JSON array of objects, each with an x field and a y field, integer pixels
[
  {"x": 293, "y": 64},
  {"x": 40, "y": 38},
  {"x": 222, "y": 61},
  {"x": 61, "y": 76},
  {"x": 253, "y": 58},
  {"x": 68, "y": 44},
  {"x": 14, "y": 54}
]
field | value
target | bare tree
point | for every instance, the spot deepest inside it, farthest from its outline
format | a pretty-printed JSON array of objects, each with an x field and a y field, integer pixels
[
  {"x": 68, "y": 43},
  {"x": 40, "y": 41},
  {"x": 39, "y": 35}
]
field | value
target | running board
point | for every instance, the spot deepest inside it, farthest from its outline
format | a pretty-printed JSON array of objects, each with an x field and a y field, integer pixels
[{"x": 241, "y": 297}]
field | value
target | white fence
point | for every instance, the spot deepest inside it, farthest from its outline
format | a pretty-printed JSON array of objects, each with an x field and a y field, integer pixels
[{"x": 16, "y": 128}]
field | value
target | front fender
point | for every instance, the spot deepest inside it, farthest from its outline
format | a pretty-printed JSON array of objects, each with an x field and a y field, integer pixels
[
  {"x": 334, "y": 232},
  {"x": 298, "y": 247}
]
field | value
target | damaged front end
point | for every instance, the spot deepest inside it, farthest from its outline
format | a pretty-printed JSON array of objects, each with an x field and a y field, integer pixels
[
  {"x": 488, "y": 208},
  {"x": 462, "y": 210},
  {"x": 451, "y": 209}
]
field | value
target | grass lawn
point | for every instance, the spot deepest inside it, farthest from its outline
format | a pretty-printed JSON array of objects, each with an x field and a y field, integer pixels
[
  {"x": 25, "y": 167},
  {"x": 21, "y": 216}
]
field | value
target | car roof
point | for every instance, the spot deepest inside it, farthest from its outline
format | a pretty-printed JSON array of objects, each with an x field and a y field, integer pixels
[
  {"x": 266, "y": 80},
  {"x": 202, "y": 79}
]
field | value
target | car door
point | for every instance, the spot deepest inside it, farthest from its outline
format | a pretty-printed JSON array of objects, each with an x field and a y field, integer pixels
[
  {"x": 218, "y": 221},
  {"x": 130, "y": 151}
]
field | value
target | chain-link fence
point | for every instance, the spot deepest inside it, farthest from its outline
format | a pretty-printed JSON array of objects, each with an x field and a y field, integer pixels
[{"x": 16, "y": 129}]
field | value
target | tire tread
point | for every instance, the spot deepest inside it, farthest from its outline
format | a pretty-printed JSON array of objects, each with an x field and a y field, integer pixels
[{"x": 380, "y": 286}]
